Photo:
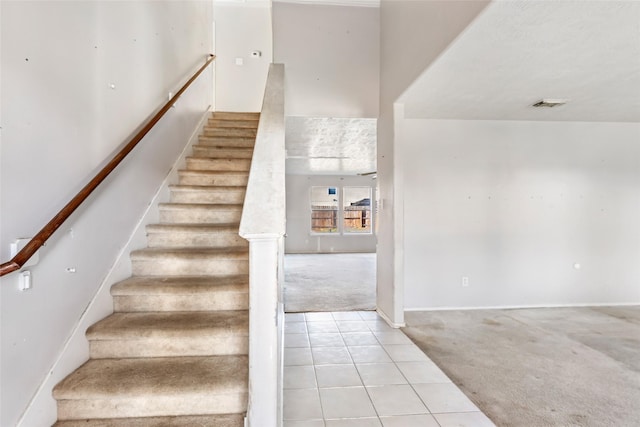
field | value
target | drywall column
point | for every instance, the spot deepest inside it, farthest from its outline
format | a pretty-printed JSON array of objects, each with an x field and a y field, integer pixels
[{"x": 413, "y": 34}]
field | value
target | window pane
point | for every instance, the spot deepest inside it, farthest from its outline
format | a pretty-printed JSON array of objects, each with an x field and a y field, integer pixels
[
  {"x": 357, "y": 209},
  {"x": 324, "y": 209}
]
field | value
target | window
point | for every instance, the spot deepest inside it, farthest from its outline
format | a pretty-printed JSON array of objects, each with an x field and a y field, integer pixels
[
  {"x": 356, "y": 203},
  {"x": 336, "y": 210},
  {"x": 324, "y": 210}
]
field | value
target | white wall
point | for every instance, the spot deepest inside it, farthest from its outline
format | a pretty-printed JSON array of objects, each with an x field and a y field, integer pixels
[
  {"x": 514, "y": 206},
  {"x": 299, "y": 238},
  {"x": 241, "y": 29},
  {"x": 413, "y": 33},
  {"x": 332, "y": 55},
  {"x": 60, "y": 118}
]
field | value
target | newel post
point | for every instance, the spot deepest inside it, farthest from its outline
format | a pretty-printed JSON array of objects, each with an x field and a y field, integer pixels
[{"x": 264, "y": 342}]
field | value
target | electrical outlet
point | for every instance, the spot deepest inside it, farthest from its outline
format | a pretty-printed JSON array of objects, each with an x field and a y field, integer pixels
[{"x": 465, "y": 281}]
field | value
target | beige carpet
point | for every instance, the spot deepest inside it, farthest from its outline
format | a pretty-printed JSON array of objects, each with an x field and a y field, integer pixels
[
  {"x": 329, "y": 282},
  {"x": 540, "y": 367}
]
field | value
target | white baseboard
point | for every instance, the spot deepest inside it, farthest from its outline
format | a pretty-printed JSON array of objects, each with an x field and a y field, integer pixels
[
  {"x": 388, "y": 320},
  {"x": 75, "y": 351},
  {"x": 514, "y": 307}
]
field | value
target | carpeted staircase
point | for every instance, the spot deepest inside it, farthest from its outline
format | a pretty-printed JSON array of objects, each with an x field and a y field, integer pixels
[{"x": 174, "y": 352}]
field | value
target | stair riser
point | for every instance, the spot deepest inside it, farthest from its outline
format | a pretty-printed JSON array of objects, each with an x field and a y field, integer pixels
[
  {"x": 195, "y": 178},
  {"x": 197, "y": 302},
  {"x": 196, "y": 240},
  {"x": 204, "y": 164},
  {"x": 247, "y": 133},
  {"x": 226, "y": 115},
  {"x": 169, "y": 347},
  {"x": 199, "y": 216},
  {"x": 227, "y": 420},
  {"x": 221, "y": 141},
  {"x": 221, "y": 153},
  {"x": 218, "y": 123},
  {"x": 209, "y": 196},
  {"x": 188, "y": 267},
  {"x": 150, "y": 406}
]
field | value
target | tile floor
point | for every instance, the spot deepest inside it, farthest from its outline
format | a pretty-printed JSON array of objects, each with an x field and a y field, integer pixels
[{"x": 350, "y": 369}]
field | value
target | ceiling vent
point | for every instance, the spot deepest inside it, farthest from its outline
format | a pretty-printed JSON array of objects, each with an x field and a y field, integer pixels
[{"x": 548, "y": 102}]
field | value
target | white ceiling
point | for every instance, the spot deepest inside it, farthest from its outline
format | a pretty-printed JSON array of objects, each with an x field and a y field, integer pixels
[
  {"x": 513, "y": 55},
  {"x": 518, "y": 52},
  {"x": 330, "y": 146}
]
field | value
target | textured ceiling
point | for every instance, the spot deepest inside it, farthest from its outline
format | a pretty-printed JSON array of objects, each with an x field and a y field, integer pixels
[
  {"x": 364, "y": 3},
  {"x": 518, "y": 52},
  {"x": 330, "y": 146},
  {"x": 359, "y": 3}
]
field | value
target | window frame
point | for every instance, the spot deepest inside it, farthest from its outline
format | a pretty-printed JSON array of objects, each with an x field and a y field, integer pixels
[{"x": 340, "y": 212}]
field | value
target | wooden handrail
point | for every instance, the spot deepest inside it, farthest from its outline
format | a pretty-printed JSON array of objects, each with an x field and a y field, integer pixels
[{"x": 43, "y": 235}]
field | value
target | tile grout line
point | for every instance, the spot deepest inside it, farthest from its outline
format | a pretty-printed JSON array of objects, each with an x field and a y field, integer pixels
[
  {"x": 315, "y": 374},
  {"x": 395, "y": 364},
  {"x": 360, "y": 375}
]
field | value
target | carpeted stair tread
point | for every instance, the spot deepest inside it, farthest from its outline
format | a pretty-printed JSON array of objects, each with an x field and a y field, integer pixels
[
  {"x": 206, "y": 193},
  {"x": 232, "y": 115},
  {"x": 194, "y": 236},
  {"x": 230, "y": 131},
  {"x": 214, "y": 173},
  {"x": 226, "y": 420},
  {"x": 188, "y": 293},
  {"x": 221, "y": 145},
  {"x": 159, "y": 376},
  {"x": 227, "y": 141},
  {"x": 205, "y": 213},
  {"x": 192, "y": 228},
  {"x": 188, "y": 261},
  {"x": 218, "y": 164},
  {"x": 221, "y": 173},
  {"x": 202, "y": 206},
  {"x": 181, "y": 285},
  {"x": 195, "y": 253},
  {"x": 213, "y": 178},
  {"x": 200, "y": 188},
  {"x": 208, "y": 152},
  {"x": 236, "y": 123},
  {"x": 170, "y": 325}
]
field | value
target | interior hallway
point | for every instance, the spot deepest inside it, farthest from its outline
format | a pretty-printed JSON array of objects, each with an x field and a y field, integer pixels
[{"x": 349, "y": 368}]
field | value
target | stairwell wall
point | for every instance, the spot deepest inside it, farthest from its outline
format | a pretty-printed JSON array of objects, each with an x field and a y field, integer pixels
[
  {"x": 77, "y": 78},
  {"x": 332, "y": 54},
  {"x": 242, "y": 28}
]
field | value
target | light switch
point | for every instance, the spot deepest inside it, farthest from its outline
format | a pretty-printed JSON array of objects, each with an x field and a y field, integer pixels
[{"x": 25, "y": 281}]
